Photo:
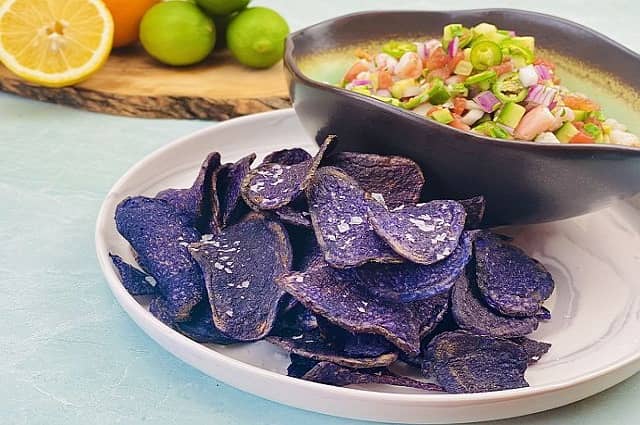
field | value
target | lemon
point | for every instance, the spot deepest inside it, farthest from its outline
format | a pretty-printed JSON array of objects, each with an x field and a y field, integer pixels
[
  {"x": 256, "y": 37},
  {"x": 222, "y": 7},
  {"x": 54, "y": 43},
  {"x": 177, "y": 33}
]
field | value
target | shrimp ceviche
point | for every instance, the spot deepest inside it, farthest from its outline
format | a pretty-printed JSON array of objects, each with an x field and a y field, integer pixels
[{"x": 487, "y": 81}]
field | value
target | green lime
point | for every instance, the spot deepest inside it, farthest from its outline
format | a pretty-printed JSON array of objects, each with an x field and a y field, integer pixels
[
  {"x": 222, "y": 7},
  {"x": 177, "y": 33},
  {"x": 256, "y": 37}
]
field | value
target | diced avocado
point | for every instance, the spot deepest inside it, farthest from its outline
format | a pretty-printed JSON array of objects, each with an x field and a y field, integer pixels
[
  {"x": 566, "y": 132},
  {"x": 399, "y": 87},
  {"x": 415, "y": 101},
  {"x": 484, "y": 28},
  {"x": 593, "y": 130},
  {"x": 389, "y": 100},
  {"x": 450, "y": 31},
  {"x": 463, "y": 68},
  {"x": 518, "y": 62},
  {"x": 491, "y": 129},
  {"x": 527, "y": 42},
  {"x": 510, "y": 114},
  {"x": 580, "y": 115},
  {"x": 597, "y": 115},
  {"x": 467, "y": 54},
  {"x": 438, "y": 93},
  {"x": 442, "y": 115},
  {"x": 458, "y": 89}
]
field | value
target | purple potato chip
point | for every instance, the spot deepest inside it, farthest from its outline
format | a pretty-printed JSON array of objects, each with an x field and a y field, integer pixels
[
  {"x": 299, "y": 366},
  {"x": 228, "y": 185},
  {"x": 289, "y": 215},
  {"x": 510, "y": 281},
  {"x": 191, "y": 203},
  {"x": 423, "y": 233},
  {"x": 294, "y": 322},
  {"x": 472, "y": 315},
  {"x": 399, "y": 180},
  {"x": 408, "y": 282},
  {"x": 159, "y": 237},
  {"x": 332, "y": 294},
  {"x": 135, "y": 281},
  {"x": 200, "y": 327},
  {"x": 287, "y": 157},
  {"x": 333, "y": 374},
  {"x": 366, "y": 345},
  {"x": 430, "y": 312},
  {"x": 161, "y": 310},
  {"x": 466, "y": 363},
  {"x": 543, "y": 314},
  {"x": 240, "y": 266},
  {"x": 475, "y": 208},
  {"x": 534, "y": 349},
  {"x": 312, "y": 346},
  {"x": 339, "y": 217},
  {"x": 272, "y": 186}
]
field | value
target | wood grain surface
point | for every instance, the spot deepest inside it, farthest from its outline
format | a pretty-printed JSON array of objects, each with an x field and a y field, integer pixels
[{"x": 133, "y": 84}]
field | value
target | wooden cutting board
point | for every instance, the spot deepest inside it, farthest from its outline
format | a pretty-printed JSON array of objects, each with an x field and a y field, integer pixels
[{"x": 133, "y": 84}]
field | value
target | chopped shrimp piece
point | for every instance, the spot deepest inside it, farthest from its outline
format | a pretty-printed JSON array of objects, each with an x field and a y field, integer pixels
[
  {"x": 356, "y": 68},
  {"x": 385, "y": 62},
  {"x": 534, "y": 122},
  {"x": 409, "y": 66},
  {"x": 385, "y": 80}
]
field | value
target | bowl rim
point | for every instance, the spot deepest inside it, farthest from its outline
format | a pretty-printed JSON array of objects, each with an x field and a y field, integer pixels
[{"x": 290, "y": 63}]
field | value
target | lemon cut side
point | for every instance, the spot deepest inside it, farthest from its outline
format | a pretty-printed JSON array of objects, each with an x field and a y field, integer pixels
[{"x": 54, "y": 43}]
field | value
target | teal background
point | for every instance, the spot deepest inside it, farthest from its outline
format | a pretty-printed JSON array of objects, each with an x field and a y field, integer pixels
[{"x": 68, "y": 353}]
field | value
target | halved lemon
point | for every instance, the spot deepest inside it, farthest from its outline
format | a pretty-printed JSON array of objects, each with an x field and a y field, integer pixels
[{"x": 54, "y": 43}]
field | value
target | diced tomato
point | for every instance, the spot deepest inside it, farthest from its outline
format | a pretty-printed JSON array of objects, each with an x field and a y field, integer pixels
[
  {"x": 459, "y": 105},
  {"x": 455, "y": 60},
  {"x": 581, "y": 103},
  {"x": 356, "y": 68},
  {"x": 579, "y": 125},
  {"x": 437, "y": 59},
  {"x": 503, "y": 68},
  {"x": 385, "y": 79},
  {"x": 582, "y": 137},
  {"x": 457, "y": 123},
  {"x": 540, "y": 61},
  {"x": 442, "y": 73}
]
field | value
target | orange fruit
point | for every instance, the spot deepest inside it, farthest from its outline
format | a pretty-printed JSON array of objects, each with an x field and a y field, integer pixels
[{"x": 127, "y": 15}]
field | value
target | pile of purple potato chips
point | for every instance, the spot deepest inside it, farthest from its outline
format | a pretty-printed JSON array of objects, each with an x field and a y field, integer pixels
[{"x": 336, "y": 260}]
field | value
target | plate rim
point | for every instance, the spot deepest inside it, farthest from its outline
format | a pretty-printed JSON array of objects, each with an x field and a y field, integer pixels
[{"x": 149, "y": 324}]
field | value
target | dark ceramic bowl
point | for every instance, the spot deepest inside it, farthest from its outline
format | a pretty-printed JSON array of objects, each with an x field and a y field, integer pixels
[{"x": 523, "y": 182}]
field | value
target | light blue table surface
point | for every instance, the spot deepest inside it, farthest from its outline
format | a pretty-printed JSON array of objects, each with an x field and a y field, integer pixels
[{"x": 68, "y": 353}]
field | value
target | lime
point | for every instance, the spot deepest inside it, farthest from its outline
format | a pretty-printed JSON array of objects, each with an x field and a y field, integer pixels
[
  {"x": 256, "y": 37},
  {"x": 222, "y": 7},
  {"x": 177, "y": 33}
]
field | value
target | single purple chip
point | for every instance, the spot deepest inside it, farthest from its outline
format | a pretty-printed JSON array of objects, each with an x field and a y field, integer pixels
[
  {"x": 472, "y": 315},
  {"x": 312, "y": 346},
  {"x": 475, "y": 208},
  {"x": 271, "y": 186},
  {"x": 466, "y": 363},
  {"x": 366, "y": 345},
  {"x": 543, "y": 314},
  {"x": 161, "y": 310},
  {"x": 534, "y": 349},
  {"x": 339, "y": 217},
  {"x": 399, "y": 180},
  {"x": 240, "y": 266},
  {"x": 135, "y": 281},
  {"x": 295, "y": 321},
  {"x": 228, "y": 187},
  {"x": 193, "y": 203},
  {"x": 287, "y": 157},
  {"x": 159, "y": 237},
  {"x": 333, "y": 374},
  {"x": 200, "y": 327},
  {"x": 510, "y": 281},
  {"x": 332, "y": 294},
  {"x": 424, "y": 233},
  {"x": 299, "y": 366},
  {"x": 408, "y": 282}
]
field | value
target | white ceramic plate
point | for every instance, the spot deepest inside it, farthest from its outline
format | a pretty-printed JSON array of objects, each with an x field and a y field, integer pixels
[{"x": 595, "y": 328}]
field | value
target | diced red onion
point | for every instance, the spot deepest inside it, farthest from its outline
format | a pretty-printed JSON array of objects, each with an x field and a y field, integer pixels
[
  {"x": 361, "y": 82},
  {"x": 383, "y": 93},
  {"x": 542, "y": 95},
  {"x": 453, "y": 46},
  {"x": 528, "y": 76},
  {"x": 422, "y": 50},
  {"x": 470, "y": 105},
  {"x": 553, "y": 104},
  {"x": 422, "y": 109},
  {"x": 487, "y": 101},
  {"x": 472, "y": 116},
  {"x": 543, "y": 72}
]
